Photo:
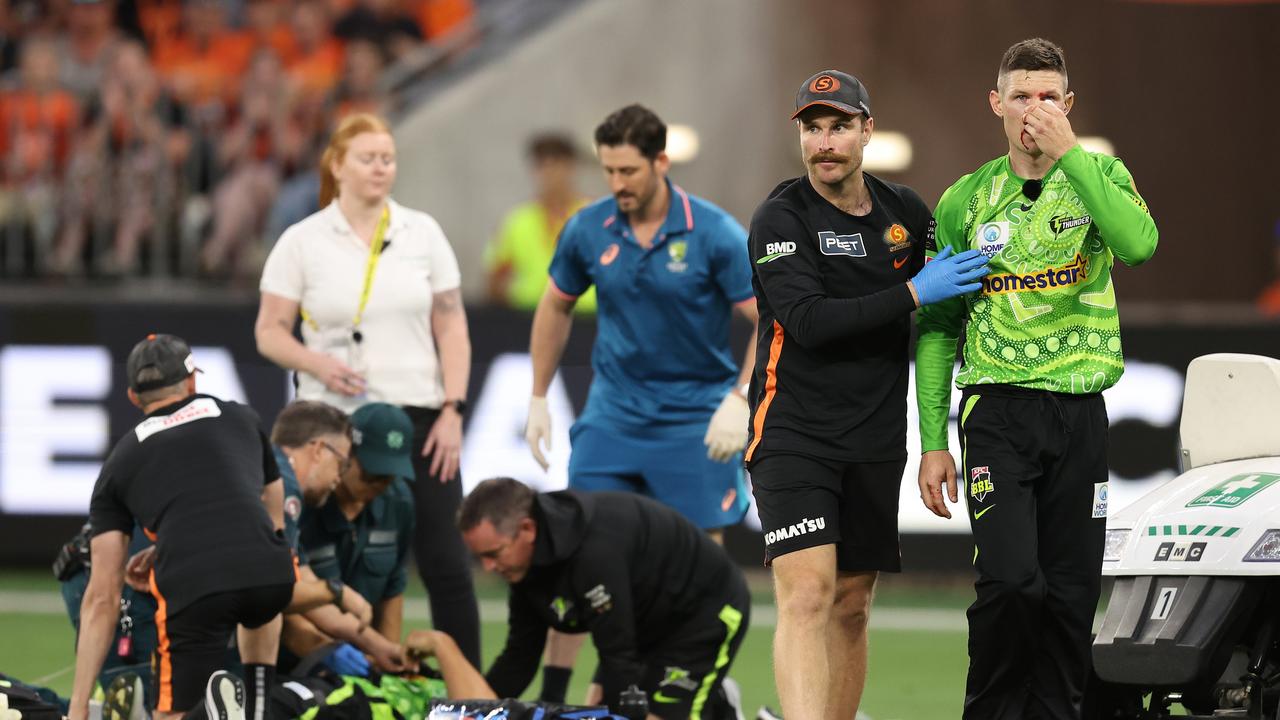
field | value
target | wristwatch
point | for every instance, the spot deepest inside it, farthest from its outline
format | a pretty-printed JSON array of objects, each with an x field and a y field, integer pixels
[
  {"x": 335, "y": 586},
  {"x": 459, "y": 406}
]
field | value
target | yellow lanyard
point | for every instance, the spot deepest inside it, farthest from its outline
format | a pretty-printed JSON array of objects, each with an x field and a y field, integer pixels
[{"x": 370, "y": 266}]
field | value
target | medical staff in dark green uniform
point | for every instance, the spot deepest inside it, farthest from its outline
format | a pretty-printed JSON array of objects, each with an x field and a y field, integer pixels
[{"x": 361, "y": 535}]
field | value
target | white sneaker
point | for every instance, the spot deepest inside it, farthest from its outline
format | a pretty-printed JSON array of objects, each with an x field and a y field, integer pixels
[
  {"x": 224, "y": 697},
  {"x": 733, "y": 693}
]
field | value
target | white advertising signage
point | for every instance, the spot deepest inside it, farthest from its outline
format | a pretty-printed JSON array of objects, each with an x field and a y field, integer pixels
[{"x": 55, "y": 429}]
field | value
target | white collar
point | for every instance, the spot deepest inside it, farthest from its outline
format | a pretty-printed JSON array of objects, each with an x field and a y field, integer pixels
[{"x": 399, "y": 218}]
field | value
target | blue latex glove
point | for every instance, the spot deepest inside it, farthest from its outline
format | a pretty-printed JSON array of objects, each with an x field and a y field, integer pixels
[
  {"x": 347, "y": 660},
  {"x": 947, "y": 275}
]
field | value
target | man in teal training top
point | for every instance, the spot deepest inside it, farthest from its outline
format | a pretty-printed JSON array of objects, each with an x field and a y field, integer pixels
[{"x": 1041, "y": 344}]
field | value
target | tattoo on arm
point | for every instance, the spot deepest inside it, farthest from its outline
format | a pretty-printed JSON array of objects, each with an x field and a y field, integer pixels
[{"x": 448, "y": 301}]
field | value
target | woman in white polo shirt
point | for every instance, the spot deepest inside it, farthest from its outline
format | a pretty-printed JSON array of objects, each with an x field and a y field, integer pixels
[{"x": 377, "y": 287}]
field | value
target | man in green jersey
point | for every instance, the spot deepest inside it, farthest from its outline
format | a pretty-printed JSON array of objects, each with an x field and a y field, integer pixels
[{"x": 1041, "y": 344}]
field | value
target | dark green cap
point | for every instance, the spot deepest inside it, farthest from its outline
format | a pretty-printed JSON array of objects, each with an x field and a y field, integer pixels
[{"x": 383, "y": 438}]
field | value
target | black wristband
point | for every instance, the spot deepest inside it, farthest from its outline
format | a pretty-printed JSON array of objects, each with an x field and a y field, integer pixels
[
  {"x": 336, "y": 588},
  {"x": 555, "y": 683}
]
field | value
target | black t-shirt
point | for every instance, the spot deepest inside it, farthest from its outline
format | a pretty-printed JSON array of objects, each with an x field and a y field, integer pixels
[
  {"x": 830, "y": 378},
  {"x": 192, "y": 475},
  {"x": 627, "y": 569}
]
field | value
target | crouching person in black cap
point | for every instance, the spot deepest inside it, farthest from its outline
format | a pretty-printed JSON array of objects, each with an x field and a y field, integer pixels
[
  {"x": 194, "y": 474},
  {"x": 666, "y": 607}
]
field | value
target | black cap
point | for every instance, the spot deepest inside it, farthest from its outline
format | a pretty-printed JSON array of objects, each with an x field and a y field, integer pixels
[
  {"x": 833, "y": 89},
  {"x": 169, "y": 354}
]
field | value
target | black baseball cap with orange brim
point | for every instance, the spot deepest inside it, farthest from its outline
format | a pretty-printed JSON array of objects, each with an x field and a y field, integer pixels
[{"x": 833, "y": 89}]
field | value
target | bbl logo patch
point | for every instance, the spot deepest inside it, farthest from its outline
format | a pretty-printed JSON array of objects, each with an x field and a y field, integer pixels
[
  {"x": 395, "y": 439},
  {"x": 980, "y": 483}
]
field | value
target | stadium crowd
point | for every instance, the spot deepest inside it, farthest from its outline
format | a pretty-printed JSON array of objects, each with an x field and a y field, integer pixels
[{"x": 171, "y": 136}]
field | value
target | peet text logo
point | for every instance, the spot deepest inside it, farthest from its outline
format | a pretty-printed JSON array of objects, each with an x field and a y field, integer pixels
[
  {"x": 803, "y": 527},
  {"x": 1072, "y": 273},
  {"x": 775, "y": 250},
  {"x": 833, "y": 244}
]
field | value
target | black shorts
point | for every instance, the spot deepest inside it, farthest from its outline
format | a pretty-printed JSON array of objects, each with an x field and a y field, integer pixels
[
  {"x": 193, "y": 642},
  {"x": 682, "y": 675},
  {"x": 806, "y": 502}
]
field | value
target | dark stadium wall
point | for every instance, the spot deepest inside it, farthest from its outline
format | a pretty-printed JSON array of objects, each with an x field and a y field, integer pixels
[{"x": 1185, "y": 92}]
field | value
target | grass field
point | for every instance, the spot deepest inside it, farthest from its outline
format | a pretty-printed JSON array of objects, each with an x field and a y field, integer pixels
[{"x": 918, "y": 638}]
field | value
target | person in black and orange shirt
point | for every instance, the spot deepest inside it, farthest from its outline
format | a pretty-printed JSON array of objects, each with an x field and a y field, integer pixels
[
  {"x": 838, "y": 265},
  {"x": 195, "y": 474}
]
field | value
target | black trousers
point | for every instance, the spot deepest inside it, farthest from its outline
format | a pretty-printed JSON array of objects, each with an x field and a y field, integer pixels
[
  {"x": 1034, "y": 465},
  {"x": 443, "y": 561}
]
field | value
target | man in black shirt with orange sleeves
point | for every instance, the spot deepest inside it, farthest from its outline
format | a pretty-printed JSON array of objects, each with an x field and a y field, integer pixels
[
  {"x": 839, "y": 265},
  {"x": 194, "y": 474}
]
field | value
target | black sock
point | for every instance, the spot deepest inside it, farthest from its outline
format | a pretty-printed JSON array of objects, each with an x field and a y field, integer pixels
[
  {"x": 258, "y": 680},
  {"x": 555, "y": 683}
]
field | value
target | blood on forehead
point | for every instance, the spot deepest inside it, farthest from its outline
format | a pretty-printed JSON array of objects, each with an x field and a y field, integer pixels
[{"x": 1043, "y": 84}]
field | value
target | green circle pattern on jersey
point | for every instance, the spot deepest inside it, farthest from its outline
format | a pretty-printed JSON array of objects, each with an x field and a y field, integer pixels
[
  {"x": 1065, "y": 339},
  {"x": 1042, "y": 243}
]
